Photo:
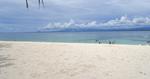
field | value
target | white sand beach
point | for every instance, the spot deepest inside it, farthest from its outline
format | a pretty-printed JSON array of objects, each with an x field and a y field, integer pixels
[{"x": 34, "y": 60}]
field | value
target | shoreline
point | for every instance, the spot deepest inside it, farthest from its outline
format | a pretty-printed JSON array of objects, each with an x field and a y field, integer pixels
[{"x": 72, "y": 43}]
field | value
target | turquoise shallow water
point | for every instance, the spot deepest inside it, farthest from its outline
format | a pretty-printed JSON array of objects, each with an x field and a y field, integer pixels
[{"x": 119, "y": 37}]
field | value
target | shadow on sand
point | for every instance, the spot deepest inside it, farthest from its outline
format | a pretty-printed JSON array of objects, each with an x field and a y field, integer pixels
[
  {"x": 4, "y": 45},
  {"x": 5, "y": 61}
]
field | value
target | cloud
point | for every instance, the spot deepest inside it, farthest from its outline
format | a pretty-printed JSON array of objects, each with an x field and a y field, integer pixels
[{"x": 122, "y": 22}]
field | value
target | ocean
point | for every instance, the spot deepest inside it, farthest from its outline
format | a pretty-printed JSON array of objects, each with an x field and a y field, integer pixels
[{"x": 117, "y": 37}]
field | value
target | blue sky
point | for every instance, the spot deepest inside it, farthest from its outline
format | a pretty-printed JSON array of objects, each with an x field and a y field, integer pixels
[{"x": 58, "y": 14}]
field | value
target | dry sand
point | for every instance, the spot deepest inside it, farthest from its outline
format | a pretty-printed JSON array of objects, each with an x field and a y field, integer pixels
[{"x": 26, "y": 60}]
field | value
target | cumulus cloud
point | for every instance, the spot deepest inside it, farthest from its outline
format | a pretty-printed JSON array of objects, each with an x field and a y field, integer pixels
[
  {"x": 124, "y": 20},
  {"x": 119, "y": 23}
]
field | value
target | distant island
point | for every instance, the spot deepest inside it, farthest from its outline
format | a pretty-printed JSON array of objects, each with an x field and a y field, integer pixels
[{"x": 144, "y": 28}]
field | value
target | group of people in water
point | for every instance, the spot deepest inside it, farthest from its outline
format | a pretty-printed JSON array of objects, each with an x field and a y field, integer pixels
[
  {"x": 103, "y": 42},
  {"x": 111, "y": 42},
  {"x": 148, "y": 42}
]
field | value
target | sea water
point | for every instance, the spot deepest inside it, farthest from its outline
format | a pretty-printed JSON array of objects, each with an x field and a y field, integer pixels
[{"x": 118, "y": 37}]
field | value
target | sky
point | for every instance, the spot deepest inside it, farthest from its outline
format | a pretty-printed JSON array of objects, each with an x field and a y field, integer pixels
[{"x": 62, "y": 14}]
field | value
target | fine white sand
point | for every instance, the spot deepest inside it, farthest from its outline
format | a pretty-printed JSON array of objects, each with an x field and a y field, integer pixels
[{"x": 27, "y": 60}]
